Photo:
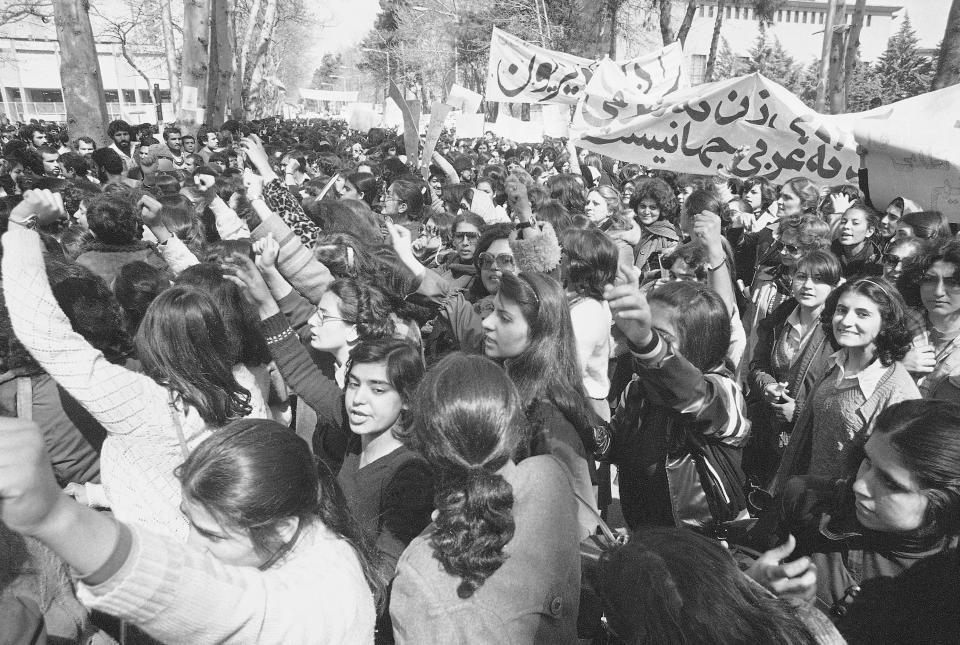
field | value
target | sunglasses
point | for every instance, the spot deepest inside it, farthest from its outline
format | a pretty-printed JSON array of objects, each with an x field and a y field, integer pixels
[
  {"x": 791, "y": 249},
  {"x": 470, "y": 236},
  {"x": 892, "y": 259},
  {"x": 502, "y": 262}
]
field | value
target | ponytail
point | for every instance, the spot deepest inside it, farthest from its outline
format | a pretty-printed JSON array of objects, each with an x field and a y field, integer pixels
[{"x": 474, "y": 523}]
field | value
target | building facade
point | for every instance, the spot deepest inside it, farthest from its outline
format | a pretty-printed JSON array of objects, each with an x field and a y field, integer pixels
[{"x": 30, "y": 86}]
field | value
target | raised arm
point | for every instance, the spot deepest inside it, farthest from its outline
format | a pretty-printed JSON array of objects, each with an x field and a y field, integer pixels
[{"x": 116, "y": 397}]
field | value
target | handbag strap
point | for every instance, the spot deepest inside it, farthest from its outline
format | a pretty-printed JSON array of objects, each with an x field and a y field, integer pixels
[
  {"x": 175, "y": 415},
  {"x": 604, "y": 528}
]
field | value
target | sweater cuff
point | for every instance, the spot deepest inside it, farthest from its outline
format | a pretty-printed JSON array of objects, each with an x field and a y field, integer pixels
[
  {"x": 276, "y": 328},
  {"x": 649, "y": 350},
  {"x": 119, "y": 555}
]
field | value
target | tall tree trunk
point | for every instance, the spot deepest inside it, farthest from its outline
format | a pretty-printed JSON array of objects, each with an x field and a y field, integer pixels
[
  {"x": 688, "y": 16},
  {"x": 822, "y": 82},
  {"x": 170, "y": 48},
  {"x": 239, "y": 85},
  {"x": 948, "y": 67},
  {"x": 835, "y": 86},
  {"x": 221, "y": 61},
  {"x": 614, "y": 9},
  {"x": 667, "y": 34},
  {"x": 263, "y": 43},
  {"x": 852, "y": 52},
  {"x": 714, "y": 42},
  {"x": 196, "y": 38},
  {"x": 80, "y": 70}
]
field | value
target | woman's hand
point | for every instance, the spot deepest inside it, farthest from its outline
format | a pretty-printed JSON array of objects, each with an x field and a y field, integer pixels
[
  {"x": 920, "y": 360},
  {"x": 267, "y": 250},
  {"x": 785, "y": 410},
  {"x": 774, "y": 392},
  {"x": 797, "y": 579},
  {"x": 240, "y": 270},
  {"x": 258, "y": 156},
  {"x": 630, "y": 309},
  {"x": 30, "y": 499},
  {"x": 706, "y": 230},
  {"x": 254, "y": 184},
  {"x": 43, "y": 206},
  {"x": 840, "y": 203}
]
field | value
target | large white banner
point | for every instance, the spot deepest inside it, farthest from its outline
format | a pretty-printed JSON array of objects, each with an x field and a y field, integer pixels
[
  {"x": 913, "y": 150},
  {"x": 699, "y": 130},
  {"x": 329, "y": 95},
  {"x": 520, "y": 72}
]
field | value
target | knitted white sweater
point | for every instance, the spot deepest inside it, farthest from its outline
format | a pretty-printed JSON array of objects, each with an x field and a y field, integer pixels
[{"x": 142, "y": 448}]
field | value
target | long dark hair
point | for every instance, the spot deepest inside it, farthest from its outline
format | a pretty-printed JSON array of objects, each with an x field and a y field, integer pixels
[
  {"x": 672, "y": 586},
  {"x": 182, "y": 344},
  {"x": 924, "y": 434},
  {"x": 701, "y": 320},
  {"x": 549, "y": 368},
  {"x": 591, "y": 261},
  {"x": 254, "y": 473},
  {"x": 467, "y": 423},
  {"x": 567, "y": 190},
  {"x": 239, "y": 318}
]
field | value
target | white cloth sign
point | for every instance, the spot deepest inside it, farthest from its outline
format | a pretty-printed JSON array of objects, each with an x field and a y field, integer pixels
[
  {"x": 188, "y": 97},
  {"x": 556, "y": 121},
  {"x": 698, "y": 130},
  {"x": 470, "y": 126},
  {"x": 460, "y": 98},
  {"x": 513, "y": 129},
  {"x": 520, "y": 72},
  {"x": 913, "y": 150}
]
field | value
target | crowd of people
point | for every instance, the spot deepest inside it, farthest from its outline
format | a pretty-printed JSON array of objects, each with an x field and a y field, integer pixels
[{"x": 272, "y": 382}]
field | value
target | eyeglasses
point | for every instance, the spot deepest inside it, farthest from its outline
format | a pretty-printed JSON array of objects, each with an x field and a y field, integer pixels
[
  {"x": 469, "y": 236},
  {"x": 502, "y": 262},
  {"x": 791, "y": 249},
  {"x": 932, "y": 280},
  {"x": 325, "y": 318},
  {"x": 799, "y": 277},
  {"x": 892, "y": 259}
]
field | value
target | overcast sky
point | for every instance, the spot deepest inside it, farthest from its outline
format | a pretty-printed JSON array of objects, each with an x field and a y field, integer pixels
[{"x": 347, "y": 23}]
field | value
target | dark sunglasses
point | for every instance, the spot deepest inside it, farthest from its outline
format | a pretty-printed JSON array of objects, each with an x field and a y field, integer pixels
[
  {"x": 466, "y": 235},
  {"x": 503, "y": 262},
  {"x": 892, "y": 259}
]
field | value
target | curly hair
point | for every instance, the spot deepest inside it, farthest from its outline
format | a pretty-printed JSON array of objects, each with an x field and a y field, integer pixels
[
  {"x": 112, "y": 219},
  {"x": 467, "y": 423},
  {"x": 659, "y": 191},
  {"x": 365, "y": 306},
  {"x": 893, "y": 340}
]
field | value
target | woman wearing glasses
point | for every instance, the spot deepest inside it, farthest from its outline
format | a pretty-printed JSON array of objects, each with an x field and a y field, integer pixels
[
  {"x": 460, "y": 268},
  {"x": 461, "y": 311}
]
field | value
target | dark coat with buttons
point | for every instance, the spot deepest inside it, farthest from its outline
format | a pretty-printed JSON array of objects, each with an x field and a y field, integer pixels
[{"x": 531, "y": 599}]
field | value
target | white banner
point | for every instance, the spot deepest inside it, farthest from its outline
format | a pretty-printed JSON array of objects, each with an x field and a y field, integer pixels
[
  {"x": 698, "y": 130},
  {"x": 513, "y": 129},
  {"x": 913, "y": 150},
  {"x": 520, "y": 72},
  {"x": 556, "y": 121},
  {"x": 329, "y": 95},
  {"x": 470, "y": 126},
  {"x": 460, "y": 98}
]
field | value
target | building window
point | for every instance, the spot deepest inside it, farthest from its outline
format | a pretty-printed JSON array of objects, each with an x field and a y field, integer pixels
[
  {"x": 703, "y": 11},
  {"x": 746, "y": 13},
  {"x": 823, "y": 15},
  {"x": 729, "y": 12},
  {"x": 710, "y": 11},
  {"x": 45, "y": 95},
  {"x": 112, "y": 96},
  {"x": 164, "y": 96},
  {"x": 869, "y": 20},
  {"x": 698, "y": 68},
  {"x": 804, "y": 17},
  {"x": 788, "y": 16},
  {"x": 129, "y": 96},
  {"x": 796, "y": 16},
  {"x": 145, "y": 96},
  {"x": 13, "y": 93}
]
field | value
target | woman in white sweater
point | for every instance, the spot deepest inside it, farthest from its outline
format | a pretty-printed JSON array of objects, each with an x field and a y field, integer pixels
[
  {"x": 154, "y": 419},
  {"x": 273, "y": 556},
  {"x": 589, "y": 263}
]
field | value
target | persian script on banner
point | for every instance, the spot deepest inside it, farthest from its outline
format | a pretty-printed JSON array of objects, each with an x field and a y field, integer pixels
[
  {"x": 521, "y": 72},
  {"x": 699, "y": 130}
]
